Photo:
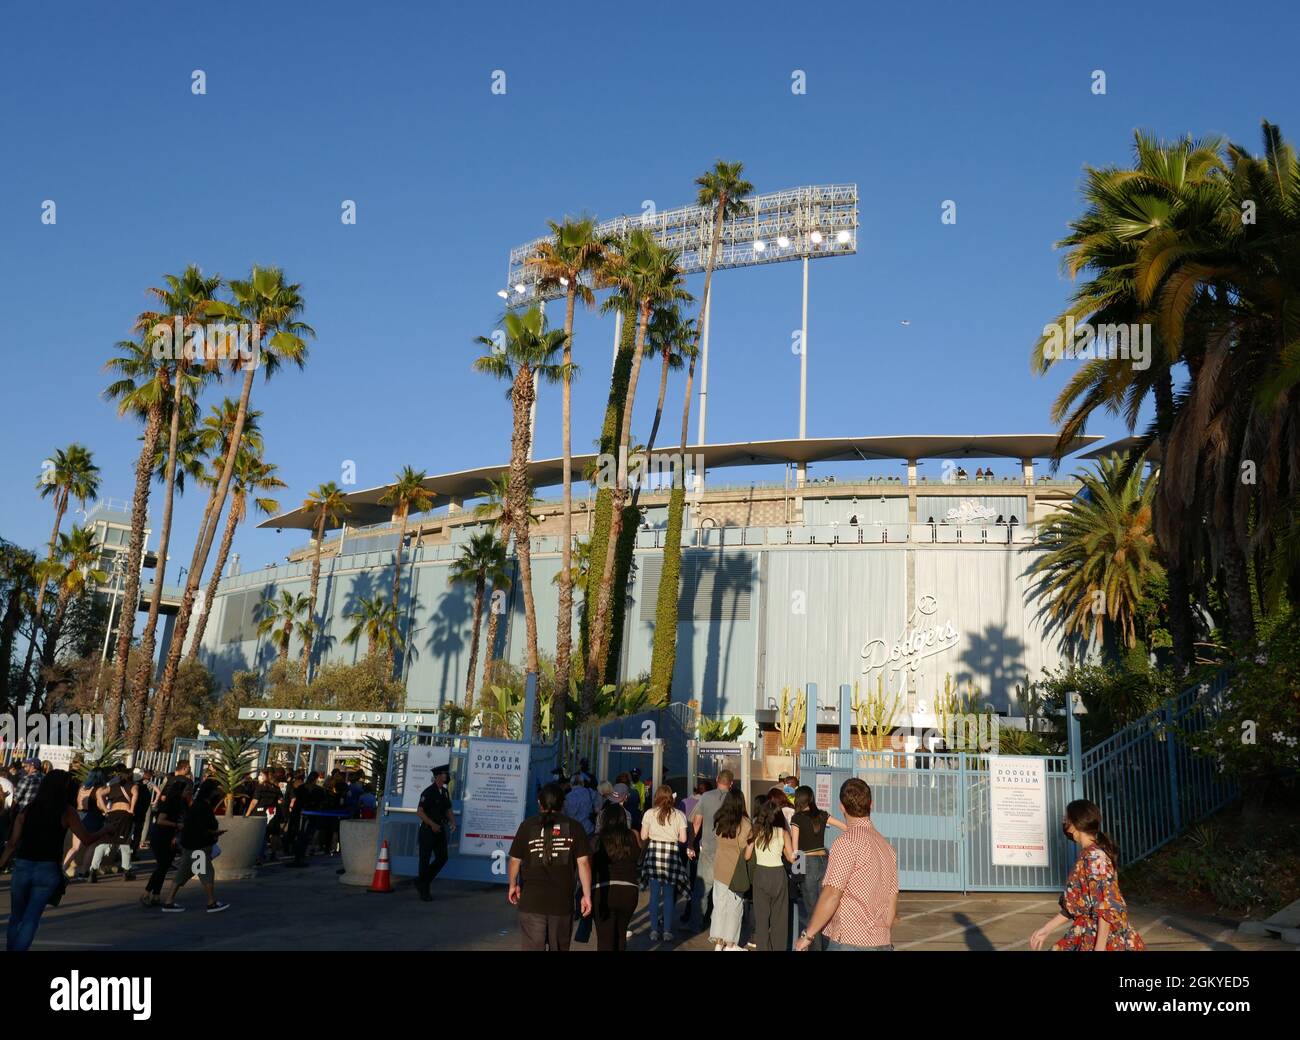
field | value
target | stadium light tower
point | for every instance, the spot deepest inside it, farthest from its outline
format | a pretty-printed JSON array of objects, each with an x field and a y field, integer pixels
[{"x": 806, "y": 223}]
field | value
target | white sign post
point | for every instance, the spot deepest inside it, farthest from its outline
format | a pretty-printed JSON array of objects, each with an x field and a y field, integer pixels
[
  {"x": 494, "y": 802},
  {"x": 1018, "y": 811}
]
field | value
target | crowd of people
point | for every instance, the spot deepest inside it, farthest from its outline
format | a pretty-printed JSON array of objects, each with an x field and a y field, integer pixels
[{"x": 59, "y": 830}]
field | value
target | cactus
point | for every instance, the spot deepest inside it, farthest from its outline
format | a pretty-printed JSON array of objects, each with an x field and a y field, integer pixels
[
  {"x": 790, "y": 720},
  {"x": 875, "y": 713}
]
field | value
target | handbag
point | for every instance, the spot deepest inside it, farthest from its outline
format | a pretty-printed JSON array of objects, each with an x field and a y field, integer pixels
[{"x": 742, "y": 878}]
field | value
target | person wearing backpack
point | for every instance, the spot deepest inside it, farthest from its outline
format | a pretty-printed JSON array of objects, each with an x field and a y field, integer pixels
[{"x": 550, "y": 855}]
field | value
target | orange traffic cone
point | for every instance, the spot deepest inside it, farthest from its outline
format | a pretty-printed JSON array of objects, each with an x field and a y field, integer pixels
[{"x": 383, "y": 879}]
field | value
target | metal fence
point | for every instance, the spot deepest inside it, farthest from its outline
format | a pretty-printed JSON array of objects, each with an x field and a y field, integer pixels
[{"x": 1150, "y": 780}]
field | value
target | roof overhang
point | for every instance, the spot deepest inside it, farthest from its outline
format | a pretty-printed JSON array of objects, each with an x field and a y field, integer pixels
[{"x": 364, "y": 507}]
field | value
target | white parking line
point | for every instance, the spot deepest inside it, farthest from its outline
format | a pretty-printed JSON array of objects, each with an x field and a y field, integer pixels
[
  {"x": 1024, "y": 908},
  {"x": 935, "y": 910}
]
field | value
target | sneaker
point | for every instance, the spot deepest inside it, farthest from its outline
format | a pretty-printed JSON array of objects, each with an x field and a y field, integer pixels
[
  {"x": 654, "y": 936},
  {"x": 735, "y": 949},
  {"x": 668, "y": 936},
  {"x": 94, "y": 876},
  {"x": 149, "y": 899},
  {"x": 217, "y": 907},
  {"x": 128, "y": 875},
  {"x": 172, "y": 908}
]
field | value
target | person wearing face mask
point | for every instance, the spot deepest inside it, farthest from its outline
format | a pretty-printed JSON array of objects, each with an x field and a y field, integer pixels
[{"x": 1091, "y": 905}]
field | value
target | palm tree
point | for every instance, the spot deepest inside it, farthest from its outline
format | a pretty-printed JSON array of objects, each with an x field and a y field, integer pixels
[
  {"x": 252, "y": 476},
  {"x": 673, "y": 338},
  {"x": 647, "y": 274},
  {"x": 142, "y": 388},
  {"x": 70, "y": 473},
  {"x": 185, "y": 460},
  {"x": 482, "y": 561},
  {"x": 1104, "y": 554},
  {"x": 530, "y": 352},
  {"x": 74, "y": 570},
  {"x": 495, "y": 510},
  {"x": 1134, "y": 214},
  {"x": 271, "y": 306},
  {"x": 572, "y": 260},
  {"x": 406, "y": 494},
  {"x": 328, "y": 505},
  {"x": 279, "y": 617},
  {"x": 723, "y": 190},
  {"x": 376, "y": 618}
]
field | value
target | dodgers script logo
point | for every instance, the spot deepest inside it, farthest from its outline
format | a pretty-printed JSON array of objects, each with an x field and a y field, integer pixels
[{"x": 922, "y": 637}]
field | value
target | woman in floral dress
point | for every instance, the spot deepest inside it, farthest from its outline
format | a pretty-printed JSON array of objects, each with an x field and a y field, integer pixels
[{"x": 1091, "y": 905}]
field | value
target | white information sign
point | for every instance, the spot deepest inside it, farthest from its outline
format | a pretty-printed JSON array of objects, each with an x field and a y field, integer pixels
[
  {"x": 421, "y": 761},
  {"x": 284, "y": 731},
  {"x": 826, "y": 799},
  {"x": 1018, "y": 811},
  {"x": 495, "y": 799}
]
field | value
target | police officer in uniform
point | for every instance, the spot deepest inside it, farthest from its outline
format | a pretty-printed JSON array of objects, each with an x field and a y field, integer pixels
[{"x": 437, "y": 822}]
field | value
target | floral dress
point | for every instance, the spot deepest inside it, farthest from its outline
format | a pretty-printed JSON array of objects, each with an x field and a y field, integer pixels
[{"x": 1091, "y": 895}]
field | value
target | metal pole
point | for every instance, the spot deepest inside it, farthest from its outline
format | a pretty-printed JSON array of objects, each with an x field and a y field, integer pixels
[
  {"x": 618, "y": 335},
  {"x": 803, "y": 375},
  {"x": 704, "y": 366},
  {"x": 846, "y": 716}
]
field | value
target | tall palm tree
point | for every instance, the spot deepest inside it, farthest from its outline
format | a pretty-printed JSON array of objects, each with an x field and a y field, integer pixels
[
  {"x": 71, "y": 473},
  {"x": 530, "y": 351},
  {"x": 723, "y": 190},
  {"x": 672, "y": 337},
  {"x": 573, "y": 259},
  {"x": 1103, "y": 554},
  {"x": 406, "y": 495},
  {"x": 253, "y": 477},
  {"x": 142, "y": 388},
  {"x": 644, "y": 272},
  {"x": 74, "y": 570},
  {"x": 376, "y": 619},
  {"x": 328, "y": 505},
  {"x": 279, "y": 617},
  {"x": 1133, "y": 214},
  {"x": 482, "y": 561},
  {"x": 272, "y": 307}
]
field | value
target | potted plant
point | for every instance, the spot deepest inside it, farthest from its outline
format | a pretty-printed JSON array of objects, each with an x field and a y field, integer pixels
[
  {"x": 358, "y": 839},
  {"x": 243, "y": 836}
]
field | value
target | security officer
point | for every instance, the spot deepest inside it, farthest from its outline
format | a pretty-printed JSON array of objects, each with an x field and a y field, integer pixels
[{"x": 437, "y": 822}]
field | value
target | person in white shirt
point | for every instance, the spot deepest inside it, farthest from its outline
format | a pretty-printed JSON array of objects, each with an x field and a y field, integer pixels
[{"x": 663, "y": 831}]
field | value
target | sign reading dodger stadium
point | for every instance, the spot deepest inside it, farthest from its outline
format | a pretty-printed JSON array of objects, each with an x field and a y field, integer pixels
[{"x": 336, "y": 718}]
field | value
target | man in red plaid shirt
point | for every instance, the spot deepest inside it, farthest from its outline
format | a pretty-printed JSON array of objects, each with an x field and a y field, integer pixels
[{"x": 859, "y": 896}]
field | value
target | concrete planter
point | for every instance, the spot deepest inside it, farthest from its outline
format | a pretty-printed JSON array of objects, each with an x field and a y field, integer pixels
[
  {"x": 357, "y": 839},
  {"x": 240, "y": 847}
]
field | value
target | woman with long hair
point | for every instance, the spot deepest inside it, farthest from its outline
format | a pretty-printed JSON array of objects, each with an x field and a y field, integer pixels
[
  {"x": 92, "y": 818},
  {"x": 36, "y": 847},
  {"x": 1092, "y": 905},
  {"x": 771, "y": 847},
  {"x": 808, "y": 834},
  {"x": 116, "y": 801},
  {"x": 615, "y": 888},
  {"x": 731, "y": 825},
  {"x": 663, "y": 829}
]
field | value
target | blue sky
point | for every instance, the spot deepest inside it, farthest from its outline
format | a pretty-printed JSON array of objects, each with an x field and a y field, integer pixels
[{"x": 309, "y": 104}]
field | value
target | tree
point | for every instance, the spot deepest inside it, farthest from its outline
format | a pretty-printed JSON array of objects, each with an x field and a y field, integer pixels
[
  {"x": 573, "y": 259},
  {"x": 482, "y": 561},
  {"x": 18, "y": 586},
  {"x": 70, "y": 473},
  {"x": 74, "y": 570},
  {"x": 279, "y": 617},
  {"x": 529, "y": 351},
  {"x": 271, "y": 306},
  {"x": 645, "y": 273},
  {"x": 252, "y": 476},
  {"x": 328, "y": 505},
  {"x": 376, "y": 619},
  {"x": 1130, "y": 212},
  {"x": 407, "y": 493},
  {"x": 673, "y": 338},
  {"x": 1102, "y": 557},
  {"x": 723, "y": 190},
  {"x": 495, "y": 509}
]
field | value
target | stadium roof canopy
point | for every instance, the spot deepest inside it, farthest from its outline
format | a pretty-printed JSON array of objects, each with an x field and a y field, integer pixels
[
  {"x": 1123, "y": 446},
  {"x": 365, "y": 507}
]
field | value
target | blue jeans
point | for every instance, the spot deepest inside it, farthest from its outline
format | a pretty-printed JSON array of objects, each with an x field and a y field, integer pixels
[
  {"x": 34, "y": 882},
  {"x": 810, "y": 887},
  {"x": 663, "y": 898},
  {"x": 833, "y": 947}
]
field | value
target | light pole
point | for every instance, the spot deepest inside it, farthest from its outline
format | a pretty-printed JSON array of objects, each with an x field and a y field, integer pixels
[
  {"x": 802, "y": 474},
  {"x": 118, "y": 571}
]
